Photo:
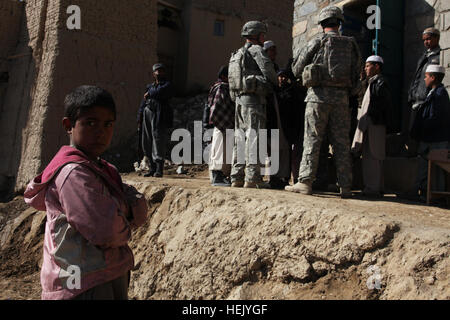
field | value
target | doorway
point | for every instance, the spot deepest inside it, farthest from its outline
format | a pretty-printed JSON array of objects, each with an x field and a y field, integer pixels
[{"x": 387, "y": 42}]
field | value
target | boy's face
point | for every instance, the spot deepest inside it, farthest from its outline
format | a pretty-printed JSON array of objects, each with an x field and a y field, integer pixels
[
  {"x": 92, "y": 132},
  {"x": 429, "y": 80}
]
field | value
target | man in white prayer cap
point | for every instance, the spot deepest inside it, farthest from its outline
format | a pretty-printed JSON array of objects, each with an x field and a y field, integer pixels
[
  {"x": 373, "y": 120},
  {"x": 432, "y": 129}
]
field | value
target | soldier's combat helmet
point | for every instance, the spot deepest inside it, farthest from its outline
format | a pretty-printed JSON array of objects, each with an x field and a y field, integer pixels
[
  {"x": 331, "y": 12},
  {"x": 253, "y": 28}
]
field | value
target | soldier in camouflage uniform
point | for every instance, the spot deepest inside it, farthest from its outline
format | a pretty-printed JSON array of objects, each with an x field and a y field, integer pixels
[
  {"x": 327, "y": 109},
  {"x": 259, "y": 79}
]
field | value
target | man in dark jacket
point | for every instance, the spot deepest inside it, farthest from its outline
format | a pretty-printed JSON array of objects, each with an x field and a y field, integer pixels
[
  {"x": 432, "y": 127},
  {"x": 280, "y": 179},
  {"x": 155, "y": 117},
  {"x": 370, "y": 134},
  {"x": 291, "y": 96},
  {"x": 418, "y": 91}
]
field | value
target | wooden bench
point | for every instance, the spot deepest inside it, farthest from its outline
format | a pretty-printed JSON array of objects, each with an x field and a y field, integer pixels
[{"x": 441, "y": 158}]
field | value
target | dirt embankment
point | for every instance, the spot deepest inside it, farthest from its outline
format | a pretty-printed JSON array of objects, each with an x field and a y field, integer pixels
[{"x": 221, "y": 243}]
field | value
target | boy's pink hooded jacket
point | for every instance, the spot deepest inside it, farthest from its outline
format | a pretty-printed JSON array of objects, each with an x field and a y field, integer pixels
[{"x": 90, "y": 214}]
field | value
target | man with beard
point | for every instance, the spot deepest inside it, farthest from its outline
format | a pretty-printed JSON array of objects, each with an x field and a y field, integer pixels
[{"x": 418, "y": 91}]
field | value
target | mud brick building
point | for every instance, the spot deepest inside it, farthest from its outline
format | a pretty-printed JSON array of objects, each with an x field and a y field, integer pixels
[
  {"x": 41, "y": 60},
  {"x": 196, "y": 37}
]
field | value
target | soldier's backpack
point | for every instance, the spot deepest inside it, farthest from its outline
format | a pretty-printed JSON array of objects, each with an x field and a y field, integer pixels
[
  {"x": 331, "y": 65},
  {"x": 245, "y": 79},
  {"x": 235, "y": 71}
]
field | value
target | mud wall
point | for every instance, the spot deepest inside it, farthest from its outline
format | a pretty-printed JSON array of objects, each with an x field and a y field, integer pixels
[
  {"x": 19, "y": 98},
  {"x": 206, "y": 52},
  {"x": 10, "y": 17},
  {"x": 114, "y": 48}
]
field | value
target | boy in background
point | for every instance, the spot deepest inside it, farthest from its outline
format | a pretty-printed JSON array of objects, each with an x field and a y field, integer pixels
[
  {"x": 222, "y": 118},
  {"x": 431, "y": 129}
]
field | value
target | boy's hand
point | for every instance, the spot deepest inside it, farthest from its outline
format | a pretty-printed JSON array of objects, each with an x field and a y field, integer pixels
[
  {"x": 137, "y": 205},
  {"x": 146, "y": 95}
]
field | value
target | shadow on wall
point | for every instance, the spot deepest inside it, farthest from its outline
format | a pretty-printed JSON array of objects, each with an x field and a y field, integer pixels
[{"x": 15, "y": 107}]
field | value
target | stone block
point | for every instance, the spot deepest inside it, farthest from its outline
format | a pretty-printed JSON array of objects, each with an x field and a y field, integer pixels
[
  {"x": 445, "y": 21},
  {"x": 445, "y": 5},
  {"x": 298, "y": 3},
  {"x": 306, "y": 9},
  {"x": 446, "y": 80},
  {"x": 445, "y": 58},
  {"x": 445, "y": 40},
  {"x": 312, "y": 32},
  {"x": 299, "y": 28}
]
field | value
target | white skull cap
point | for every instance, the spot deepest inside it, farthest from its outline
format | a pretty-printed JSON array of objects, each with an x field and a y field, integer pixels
[
  {"x": 375, "y": 59},
  {"x": 268, "y": 44},
  {"x": 435, "y": 68}
]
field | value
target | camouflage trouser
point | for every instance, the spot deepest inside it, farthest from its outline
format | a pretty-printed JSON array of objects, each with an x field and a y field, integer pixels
[
  {"x": 248, "y": 116},
  {"x": 320, "y": 117}
]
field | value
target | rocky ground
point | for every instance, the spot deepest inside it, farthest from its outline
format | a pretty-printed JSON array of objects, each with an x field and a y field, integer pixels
[{"x": 202, "y": 242}]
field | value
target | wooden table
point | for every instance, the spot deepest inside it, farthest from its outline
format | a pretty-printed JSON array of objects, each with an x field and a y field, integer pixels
[{"x": 441, "y": 158}]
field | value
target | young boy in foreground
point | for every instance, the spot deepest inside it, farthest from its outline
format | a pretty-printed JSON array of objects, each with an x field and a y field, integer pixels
[{"x": 90, "y": 212}]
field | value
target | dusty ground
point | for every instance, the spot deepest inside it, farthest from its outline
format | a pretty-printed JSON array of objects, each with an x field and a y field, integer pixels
[{"x": 222, "y": 243}]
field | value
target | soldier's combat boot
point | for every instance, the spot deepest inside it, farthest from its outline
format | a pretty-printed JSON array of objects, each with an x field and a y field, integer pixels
[
  {"x": 257, "y": 185},
  {"x": 304, "y": 187},
  {"x": 237, "y": 184},
  {"x": 346, "y": 193}
]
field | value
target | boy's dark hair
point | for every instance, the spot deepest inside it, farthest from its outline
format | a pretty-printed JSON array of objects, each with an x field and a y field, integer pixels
[
  {"x": 438, "y": 76},
  {"x": 84, "y": 98}
]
